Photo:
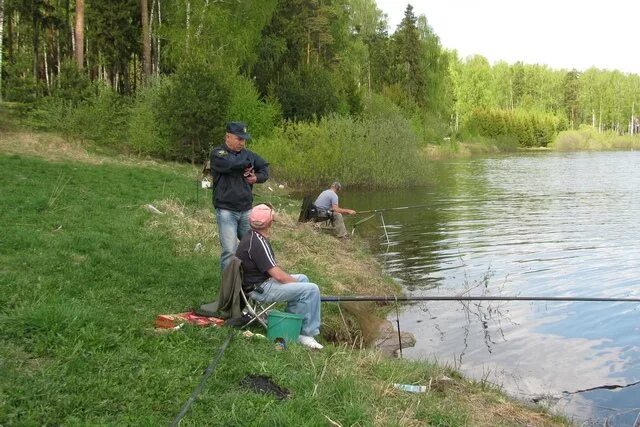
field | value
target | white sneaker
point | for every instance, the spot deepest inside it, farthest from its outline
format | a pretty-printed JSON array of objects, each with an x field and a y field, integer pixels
[{"x": 309, "y": 342}]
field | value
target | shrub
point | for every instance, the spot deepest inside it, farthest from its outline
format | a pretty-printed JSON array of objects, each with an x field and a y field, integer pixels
[
  {"x": 101, "y": 118},
  {"x": 531, "y": 129},
  {"x": 144, "y": 134},
  {"x": 588, "y": 138},
  {"x": 99, "y": 114},
  {"x": 72, "y": 85},
  {"x": 245, "y": 105},
  {"x": 307, "y": 94},
  {"x": 20, "y": 84},
  {"x": 191, "y": 110},
  {"x": 369, "y": 152}
]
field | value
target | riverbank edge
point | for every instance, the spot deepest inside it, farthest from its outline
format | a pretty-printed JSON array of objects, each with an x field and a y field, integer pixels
[{"x": 487, "y": 405}]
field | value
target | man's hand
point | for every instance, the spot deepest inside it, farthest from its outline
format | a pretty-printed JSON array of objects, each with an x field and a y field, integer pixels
[
  {"x": 350, "y": 211},
  {"x": 280, "y": 275},
  {"x": 251, "y": 178},
  {"x": 249, "y": 175}
]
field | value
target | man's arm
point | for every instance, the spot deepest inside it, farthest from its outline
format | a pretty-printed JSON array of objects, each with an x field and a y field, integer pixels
[
  {"x": 280, "y": 275},
  {"x": 260, "y": 169},
  {"x": 344, "y": 211},
  {"x": 224, "y": 162}
]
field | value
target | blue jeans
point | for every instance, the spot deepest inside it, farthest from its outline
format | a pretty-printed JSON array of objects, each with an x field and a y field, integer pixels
[
  {"x": 302, "y": 297},
  {"x": 232, "y": 226}
]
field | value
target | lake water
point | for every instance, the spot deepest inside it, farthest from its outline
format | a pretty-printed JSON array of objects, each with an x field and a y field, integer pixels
[{"x": 539, "y": 224}]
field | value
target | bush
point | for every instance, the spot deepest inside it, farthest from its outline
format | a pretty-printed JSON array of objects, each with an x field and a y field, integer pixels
[
  {"x": 144, "y": 134},
  {"x": 101, "y": 118},
  {"x": 245, "y": 105},
  {"x": 531, "y": 129},
  {"x": 369, "y": 152},
  {"x": 308, "y": 94},
  {"x": 588, "y": 138},
  {"x": 191, "y": 110},
  {"x": 72, "y": 85},
  {"x": 49, "y": 113},
  {"x": 20, "y": 84}
]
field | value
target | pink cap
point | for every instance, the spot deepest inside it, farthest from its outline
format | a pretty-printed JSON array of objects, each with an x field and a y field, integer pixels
[{"x": 261, "y": 216}]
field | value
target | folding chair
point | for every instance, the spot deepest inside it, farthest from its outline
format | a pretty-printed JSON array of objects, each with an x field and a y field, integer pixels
[{"x": 256, "y": 310}]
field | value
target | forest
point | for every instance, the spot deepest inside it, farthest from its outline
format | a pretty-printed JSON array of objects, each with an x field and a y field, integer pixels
[{"x": 320, "y": 82}]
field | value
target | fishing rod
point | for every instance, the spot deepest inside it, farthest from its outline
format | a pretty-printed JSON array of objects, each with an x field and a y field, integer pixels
[
  {"x": 391, "y": 209},
  {"x": 393, "y": 298}
]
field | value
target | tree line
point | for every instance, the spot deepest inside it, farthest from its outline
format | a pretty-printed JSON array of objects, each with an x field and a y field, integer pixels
[{"x": 162, "y": 77}]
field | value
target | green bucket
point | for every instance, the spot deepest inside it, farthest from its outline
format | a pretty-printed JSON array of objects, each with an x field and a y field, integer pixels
[{"x": 283, "y": 325}]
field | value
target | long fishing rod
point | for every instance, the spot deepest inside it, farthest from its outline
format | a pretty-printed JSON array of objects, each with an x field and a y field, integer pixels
[
  {"x": 392, "y": 298},
  {"x": 391, "y": 209}
]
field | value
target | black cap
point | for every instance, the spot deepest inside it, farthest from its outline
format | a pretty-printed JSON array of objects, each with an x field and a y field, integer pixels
[{"x": 238, "y": 129}]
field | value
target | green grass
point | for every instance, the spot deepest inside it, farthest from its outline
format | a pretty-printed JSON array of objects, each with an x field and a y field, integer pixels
[
  {"x": 85, "y": 269},
  {"x": 589, "y": 139}
]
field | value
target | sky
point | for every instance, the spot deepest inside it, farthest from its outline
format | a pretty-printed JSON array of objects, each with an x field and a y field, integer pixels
[{"x": 562, "y": 34}]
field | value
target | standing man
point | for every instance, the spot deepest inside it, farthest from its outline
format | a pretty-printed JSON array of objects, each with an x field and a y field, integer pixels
[
  {"x": 327, "y": 205},
  {"x": 267, "y": 282},
  {"x": 234, "y": 170}
]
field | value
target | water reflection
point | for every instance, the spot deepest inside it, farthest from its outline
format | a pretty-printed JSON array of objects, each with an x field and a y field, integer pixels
[{"x": 540, "y": 224}]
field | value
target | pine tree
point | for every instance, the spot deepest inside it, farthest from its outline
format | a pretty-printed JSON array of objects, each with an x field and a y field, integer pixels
[{"x": 409, "y": 71}]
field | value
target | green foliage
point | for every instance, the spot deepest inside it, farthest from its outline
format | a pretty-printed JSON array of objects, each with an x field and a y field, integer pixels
[
  {"x": 409, "y": 68},
  {"x": 191, "y": 110},
  {"x": 588, "y": 138},
  {"x": 245, "y": 105},
  {"x": 113, "y": 28},
  {"x": 20, "y": 84},
  {"x": 101, "y": 118},
  {"x": 213, "y": 32},
  {"x": 144, "y": 134},
  {"x": 430, "y": 128},
  {"x": 308, "y": 94},
  {"x": 374, "y": 151},
  {"x": 530, "y": 129},
  {"x": 72, "y": 85}
]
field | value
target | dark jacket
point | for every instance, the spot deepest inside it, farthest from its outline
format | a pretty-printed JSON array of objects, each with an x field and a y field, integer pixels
[
  {"x": 230, "y": 190},
  {"x": 229, "y": 303}
]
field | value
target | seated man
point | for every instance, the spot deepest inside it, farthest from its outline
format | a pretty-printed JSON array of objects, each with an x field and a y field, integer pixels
[
  {"x": 327, "y": 205},
  {"x": 269, "y": 283}
]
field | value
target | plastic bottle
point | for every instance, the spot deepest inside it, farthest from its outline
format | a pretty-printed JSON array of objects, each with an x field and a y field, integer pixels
[{"x": 411, "y": 388}]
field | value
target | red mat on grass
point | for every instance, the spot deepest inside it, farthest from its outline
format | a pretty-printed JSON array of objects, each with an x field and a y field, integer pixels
[{"x": 169, "y": 321}]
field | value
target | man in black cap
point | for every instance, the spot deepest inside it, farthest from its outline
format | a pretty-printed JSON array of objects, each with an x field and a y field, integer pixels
[{"x": 234, "y": 170}]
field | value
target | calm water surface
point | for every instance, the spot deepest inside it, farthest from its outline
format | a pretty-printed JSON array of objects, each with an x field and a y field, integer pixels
[{"x": 544, "y": 224}]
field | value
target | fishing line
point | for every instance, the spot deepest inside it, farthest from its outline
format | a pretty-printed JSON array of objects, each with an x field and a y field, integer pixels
[
  {"x": 203, "y": 380},
  {"x": 384, "y": 227},
  {"x": 400, "y": 208}
]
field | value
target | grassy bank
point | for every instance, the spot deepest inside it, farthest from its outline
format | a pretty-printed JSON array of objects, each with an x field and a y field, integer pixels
[
  {"x": 589, "y": 139},
  {"x": 584, "y": 139},
  {"x": 85, "y": 268}
]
